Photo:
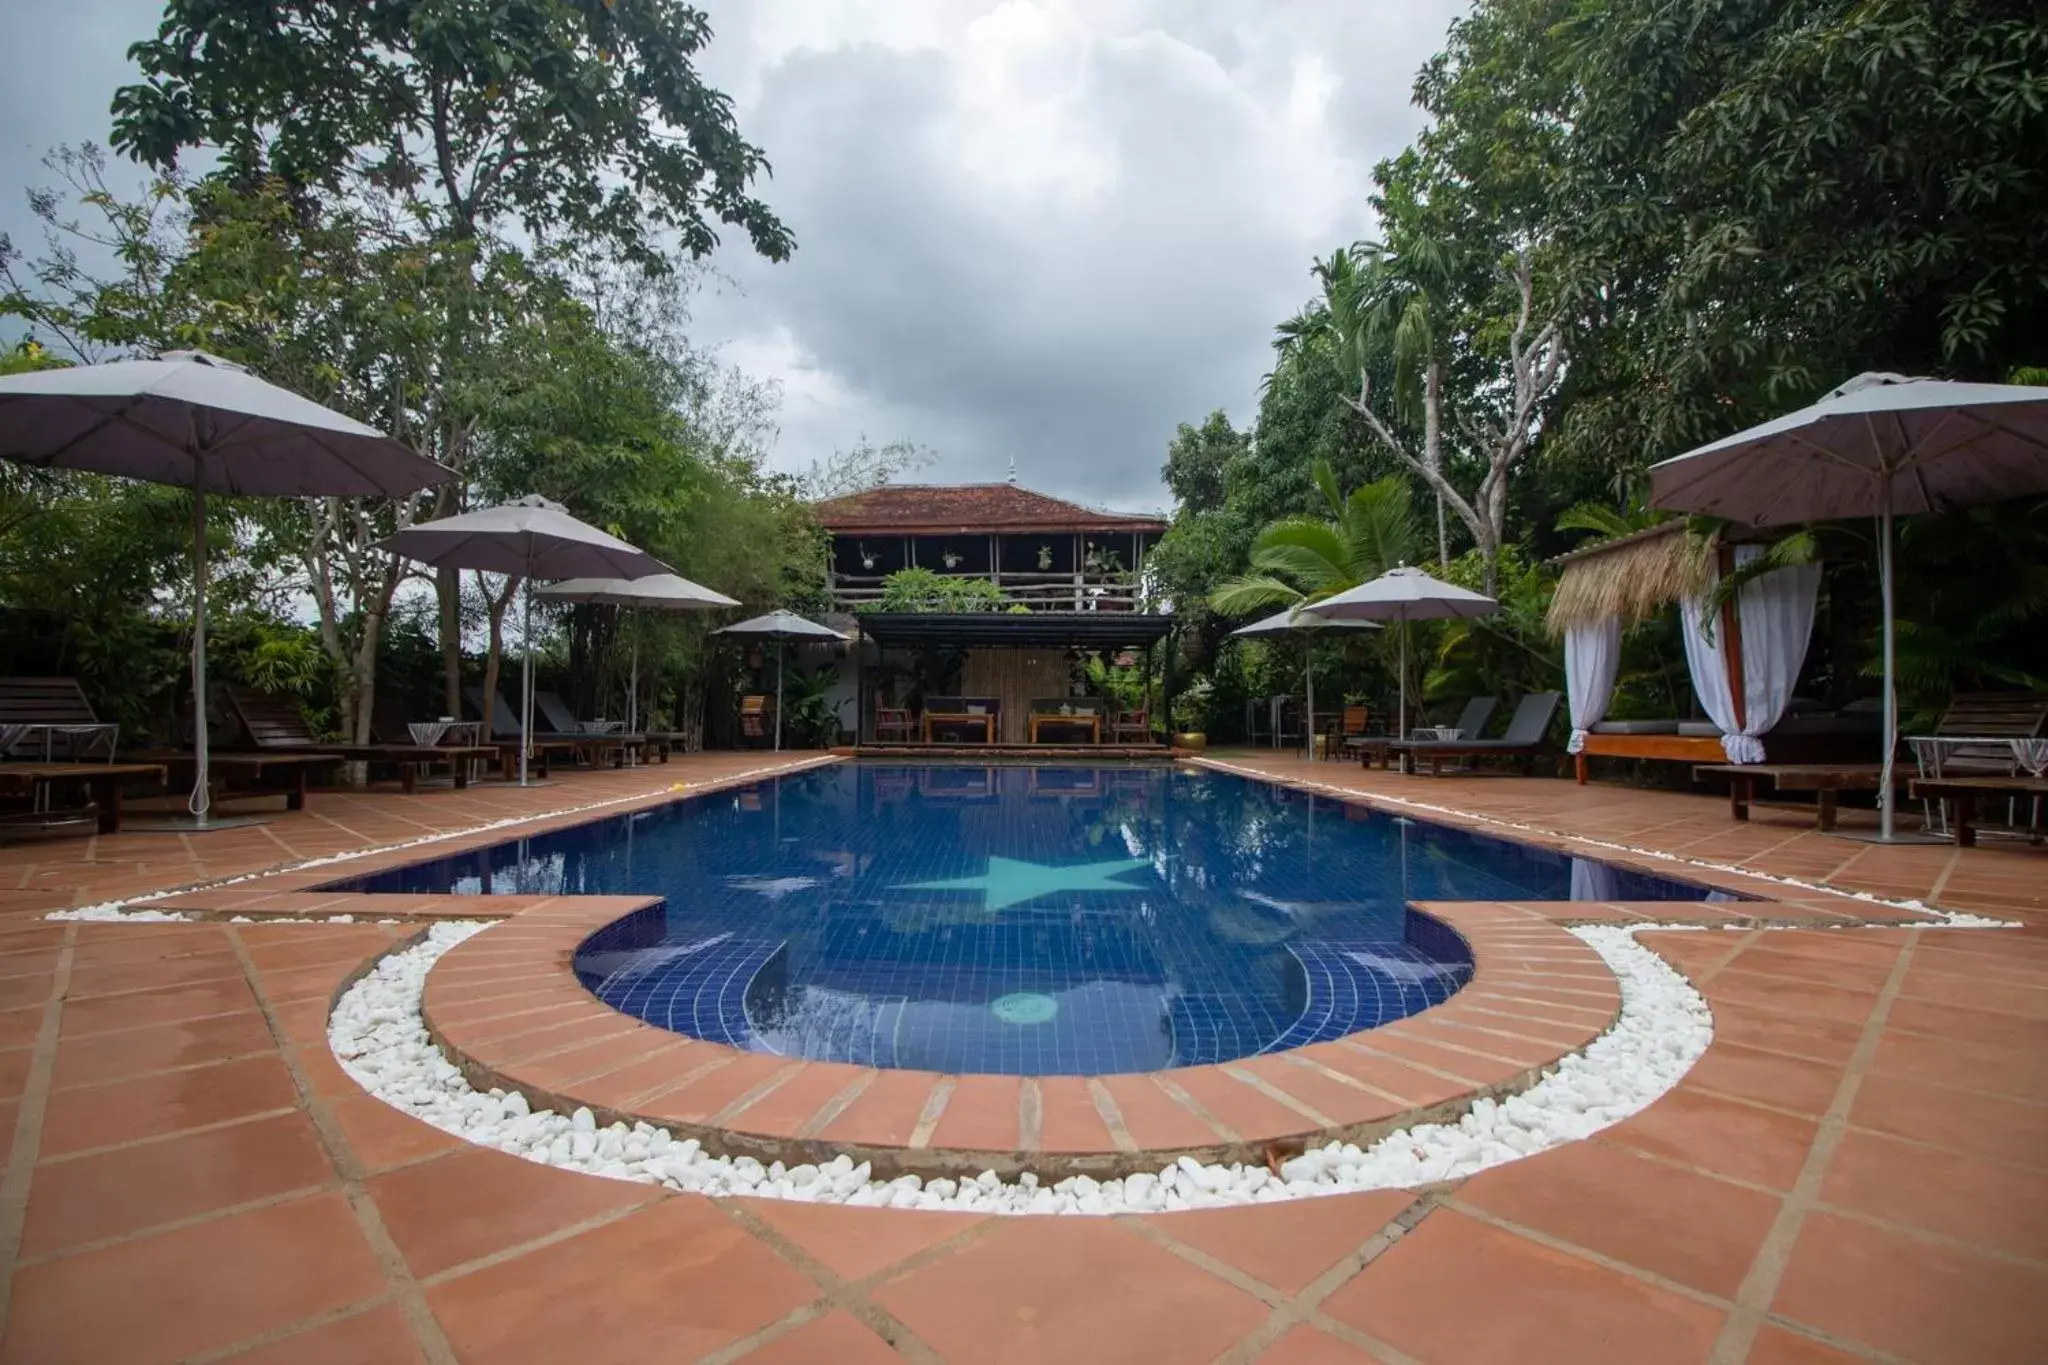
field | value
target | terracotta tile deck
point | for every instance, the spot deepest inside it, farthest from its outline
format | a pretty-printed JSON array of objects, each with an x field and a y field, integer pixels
[{"x": 1822, "y": 1187}]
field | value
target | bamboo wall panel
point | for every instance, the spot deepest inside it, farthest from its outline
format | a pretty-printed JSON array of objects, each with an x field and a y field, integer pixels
[{"x": 1019, "y": 677}]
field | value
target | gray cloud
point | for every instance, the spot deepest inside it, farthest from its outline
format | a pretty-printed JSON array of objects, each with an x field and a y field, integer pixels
[{"x": 1039, "y": 229}]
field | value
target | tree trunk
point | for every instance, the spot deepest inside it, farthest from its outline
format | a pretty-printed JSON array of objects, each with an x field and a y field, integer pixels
[
  {"x": 494, "y": 611},
  {"x": 1433, "y": 452}
]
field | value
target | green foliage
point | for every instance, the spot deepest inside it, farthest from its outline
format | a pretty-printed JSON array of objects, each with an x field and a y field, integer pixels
[
  {"x": 1128, "y": 688},
  {"x": 808, "y": 720},
  {"x": 583, "y": 120},
  {"x": 921, "y": 589},
  {"x": 1300, "y": 560},
  {"x": 1198, "y": 462},
  {"x": 1973, "y": 606}
]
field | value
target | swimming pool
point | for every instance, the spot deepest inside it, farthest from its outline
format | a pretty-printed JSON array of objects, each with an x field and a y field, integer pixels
[{"x": 1025, "y": 920}]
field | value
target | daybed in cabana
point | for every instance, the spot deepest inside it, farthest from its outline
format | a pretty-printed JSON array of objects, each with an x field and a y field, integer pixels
[{"x": 1744, "y": 668}]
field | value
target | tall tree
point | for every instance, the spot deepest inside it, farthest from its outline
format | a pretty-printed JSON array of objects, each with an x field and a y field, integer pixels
[
  {"x": 582, "y": 123},
  {"x": 580, "y": 120}
]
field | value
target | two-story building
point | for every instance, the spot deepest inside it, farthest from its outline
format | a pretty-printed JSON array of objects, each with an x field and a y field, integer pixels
[
  {"x": 1076, "y": 573},
  {"x": 1047, "y": 553}
]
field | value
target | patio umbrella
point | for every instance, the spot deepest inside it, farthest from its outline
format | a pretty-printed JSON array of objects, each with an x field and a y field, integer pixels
[
  {"x": 197, "y": 421},
  {"x": 532, "y": 538},
  {"x": 1879, "y": 445},
  {"x": 782, "y": 627},
  {"x": 666, "y": 591},
  {"x": 1304, "y": 620},
  {"x": 1404, "y": 594}
]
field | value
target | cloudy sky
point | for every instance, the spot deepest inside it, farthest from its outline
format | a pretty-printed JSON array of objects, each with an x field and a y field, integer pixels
[{"x": 1046, "y": 230}]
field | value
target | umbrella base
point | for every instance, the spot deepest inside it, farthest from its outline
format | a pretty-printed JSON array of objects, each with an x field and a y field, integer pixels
[
  {"x": 1899, "y": 836},
  {"x": 186, "y": 824}
]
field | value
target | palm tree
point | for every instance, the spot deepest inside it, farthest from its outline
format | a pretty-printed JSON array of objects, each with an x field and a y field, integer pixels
[{"x": 1298, "y": 561}]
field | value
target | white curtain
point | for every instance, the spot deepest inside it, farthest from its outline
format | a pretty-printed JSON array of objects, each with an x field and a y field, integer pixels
[
  {"x": 1776, "y": 616},
  {"x": 1592, "y": 657}
]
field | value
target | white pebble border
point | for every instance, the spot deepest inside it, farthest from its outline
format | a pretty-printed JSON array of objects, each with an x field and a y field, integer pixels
[
  {"x": 123, "y": 909},
  {"x": 1664, "y": 1026},
  {"x": 1948, "y": 919}
]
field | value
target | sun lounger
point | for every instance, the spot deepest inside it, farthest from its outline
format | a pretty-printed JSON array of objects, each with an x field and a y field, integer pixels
[
  {"x": 232, "y": 774},
  {"x": 48, "y": 719},
  {"x": 504, "y": 732},
  {"x": 1470, "y": 724},
  {"x": 593, "y": 745},
  {"x": 275, "y": 724},
  {"x": 1527, "y": 733},
  {"x": 103, "y": 782}
]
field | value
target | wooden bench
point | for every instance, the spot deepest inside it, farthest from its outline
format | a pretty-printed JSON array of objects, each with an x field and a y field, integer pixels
[
  {"x": 102, "y": 780},
  {"x": 1959, "y": 795},
  {"x": 1825, "y": 780}
]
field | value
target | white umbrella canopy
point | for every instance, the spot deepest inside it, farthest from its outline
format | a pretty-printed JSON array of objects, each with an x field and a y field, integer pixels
[
  {"x": 666, "y": 591},
  {"x": 194, "y": 420},
  {"x": 1878, "y": 445},
  {"x": 1405, "y": 594},
  {"x": 781, "y": 627},
  {"x": 531, "y": 537},
  {"x": 1305, "y": 620}
]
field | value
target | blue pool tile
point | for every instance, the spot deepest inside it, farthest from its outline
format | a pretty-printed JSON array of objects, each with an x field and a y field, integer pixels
[{"x": 1024, "y": 920}]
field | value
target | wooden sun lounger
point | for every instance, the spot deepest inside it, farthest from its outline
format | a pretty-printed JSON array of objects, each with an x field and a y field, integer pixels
[
  {"x": 102, "y": 780},
  {"x": 1959, "y": 795},
  {"x": 275, "y": 724},
  {"x": 1824, "y": 780},
  {"x": 252, "y": 774}
]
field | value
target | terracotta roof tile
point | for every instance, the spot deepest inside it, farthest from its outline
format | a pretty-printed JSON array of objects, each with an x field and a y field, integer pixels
[{"x": 943, "y": 509}]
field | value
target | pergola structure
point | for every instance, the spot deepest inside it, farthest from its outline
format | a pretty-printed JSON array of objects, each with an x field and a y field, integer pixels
[{"x": 1012, "y": 660}]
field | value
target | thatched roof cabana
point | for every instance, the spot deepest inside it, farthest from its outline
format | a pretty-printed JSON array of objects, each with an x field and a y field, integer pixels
[{"x": 1632, "y": 577}]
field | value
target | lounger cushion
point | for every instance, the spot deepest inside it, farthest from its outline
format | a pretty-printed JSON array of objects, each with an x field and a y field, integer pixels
[
  {"x": 1636, "y": 727},
  {"x": 1699, "y": 729}
]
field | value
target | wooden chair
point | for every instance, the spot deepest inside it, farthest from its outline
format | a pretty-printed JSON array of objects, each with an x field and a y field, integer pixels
[
  {"x": 1131, "y": 727},
  {"x": 757, "y": 718},
  {"x": 894, "y": 724}
]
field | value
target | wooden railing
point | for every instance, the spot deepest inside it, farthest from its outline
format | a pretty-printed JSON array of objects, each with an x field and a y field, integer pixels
[{"x": 1039, "y": 591}]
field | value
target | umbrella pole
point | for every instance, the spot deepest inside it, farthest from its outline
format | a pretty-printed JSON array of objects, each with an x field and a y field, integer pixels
[
  {"x": 1308, "y": 671},
  {"x": 778, "y": 696},
  {"x": 1401, "y": 724},
  {"x": 525, "y": 674},
  {"x": 201, "y": 795},
  {"x": 633, "y": 681},
  {"x": 1885, "y": 801}
]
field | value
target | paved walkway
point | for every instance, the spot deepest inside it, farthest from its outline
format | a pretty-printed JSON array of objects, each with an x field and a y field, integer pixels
[{"x": 1855, "y": 1171}]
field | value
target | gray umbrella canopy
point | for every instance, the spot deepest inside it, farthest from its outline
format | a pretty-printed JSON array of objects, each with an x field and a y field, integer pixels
[
  {"x": 1938, "y": 443},
  {"x": 665, "y": 591},
  {"x": 197, "y": 421},
  {"x": 782, "y": 627},
  {"x": 1879, "y": 445},
  {"x": 530, "y": 537},
  {"x": 669, "y": 590},
  {"x": 1305, "y": 620},
  {"x": 1404, "y": 594}
]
